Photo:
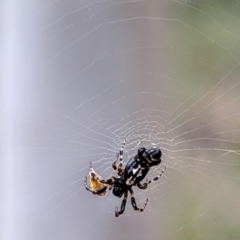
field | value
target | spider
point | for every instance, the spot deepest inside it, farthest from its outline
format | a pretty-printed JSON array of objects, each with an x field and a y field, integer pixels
[
  {"x": 134, "y": 172},
  {"x": 95, "y": 182}
]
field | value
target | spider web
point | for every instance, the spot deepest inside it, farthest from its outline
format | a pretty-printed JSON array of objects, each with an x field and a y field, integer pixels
[{"x": 156, "y": 73}]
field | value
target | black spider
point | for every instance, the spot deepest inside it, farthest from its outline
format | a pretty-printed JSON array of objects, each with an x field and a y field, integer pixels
[{"x": 133, "y": 173}]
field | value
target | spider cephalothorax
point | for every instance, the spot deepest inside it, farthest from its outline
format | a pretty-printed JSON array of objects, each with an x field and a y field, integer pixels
[
  {"x": 119, "y": 187},
  {"x": 133, "y": 173}
]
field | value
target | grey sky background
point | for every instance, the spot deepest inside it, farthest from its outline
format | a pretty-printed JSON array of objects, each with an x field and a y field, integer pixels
[{"x": 81, "y": 76}]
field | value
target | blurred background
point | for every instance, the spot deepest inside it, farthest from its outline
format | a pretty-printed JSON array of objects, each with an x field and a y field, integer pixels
[{"x": 81, "y": 76}]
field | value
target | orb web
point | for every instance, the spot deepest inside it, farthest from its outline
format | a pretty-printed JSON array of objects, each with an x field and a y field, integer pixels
[{"x": 155, "y": 73}]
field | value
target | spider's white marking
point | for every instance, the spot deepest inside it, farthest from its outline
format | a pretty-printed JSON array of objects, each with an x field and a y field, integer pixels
[
  {"x": 135, "y": 170},
  {"x": 140, "y": 174}
]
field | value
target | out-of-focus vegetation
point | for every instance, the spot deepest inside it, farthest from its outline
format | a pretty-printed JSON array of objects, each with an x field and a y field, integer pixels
[{"x": 209, "y": 31}]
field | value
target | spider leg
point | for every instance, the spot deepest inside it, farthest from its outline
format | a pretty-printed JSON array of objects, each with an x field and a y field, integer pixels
[
  {"x": 114, "y": 163},
  {"x": 98, "y": 192},
  {"x": 123, "y": 204},
  {"x": 134, "y": 202},
  {"x": 109, "y": 181},
  {"x": 119, "y": 157},
  {"x": 145, "y": 185}
]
